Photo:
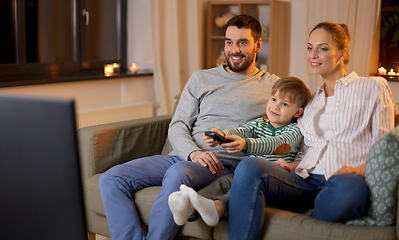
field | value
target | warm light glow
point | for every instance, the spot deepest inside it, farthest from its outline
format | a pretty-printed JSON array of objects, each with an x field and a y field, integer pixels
[
  {"x": 108, "y": 70},
  {"x": 133, "y": 68},
  {"x": 382, "y": 71},
  {"x": 391, "y": 73},
  {"x": 116, "y": 67}
]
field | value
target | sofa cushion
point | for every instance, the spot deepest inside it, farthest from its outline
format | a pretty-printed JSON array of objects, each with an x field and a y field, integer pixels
[
  {"x": 282, "y": 225},
  {"x": 93, "y": 199},
  {"x": 144, "y": 200},
  {"x": 382, "y": 176}
]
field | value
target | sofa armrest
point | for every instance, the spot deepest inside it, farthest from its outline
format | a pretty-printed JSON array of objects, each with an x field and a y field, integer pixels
[{"x": 104, "y": 146}]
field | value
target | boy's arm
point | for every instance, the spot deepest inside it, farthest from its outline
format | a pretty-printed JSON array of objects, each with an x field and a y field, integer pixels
[
  {"x": 244, "y": 131},
  {"x": 239, "y": 135},
  {"x": 268, "y": 145}
]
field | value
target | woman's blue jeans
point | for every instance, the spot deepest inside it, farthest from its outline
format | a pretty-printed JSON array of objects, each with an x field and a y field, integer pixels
[
  {"x": 258, "y": 183},
  {"x": 119, "y": 183}
]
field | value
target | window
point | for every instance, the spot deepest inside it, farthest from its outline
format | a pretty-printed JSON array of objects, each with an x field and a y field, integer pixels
[
  {"x": 53, "y": 39},
  {"x": 389, "y": 43}
]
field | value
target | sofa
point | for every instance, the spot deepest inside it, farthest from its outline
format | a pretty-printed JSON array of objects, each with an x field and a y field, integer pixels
[{"x": 104, "y": 146}]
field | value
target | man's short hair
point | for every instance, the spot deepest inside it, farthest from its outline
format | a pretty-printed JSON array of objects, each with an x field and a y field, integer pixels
[{"x": 246, "y": 21}]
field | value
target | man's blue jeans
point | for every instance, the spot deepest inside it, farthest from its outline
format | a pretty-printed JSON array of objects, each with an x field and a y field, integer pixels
[
  {"x": 118, "y": 183},
  {"x": 258, "y": 183}
]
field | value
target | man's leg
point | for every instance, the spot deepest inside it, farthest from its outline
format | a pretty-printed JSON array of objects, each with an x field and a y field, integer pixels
[
  {"x": 194, "y": 175},
  {"x": 343, "y": 198},
  {"x": 117, "y": 185}
]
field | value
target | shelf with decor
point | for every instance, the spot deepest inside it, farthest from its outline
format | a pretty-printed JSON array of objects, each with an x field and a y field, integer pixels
[{"x": 275, "y": 18}]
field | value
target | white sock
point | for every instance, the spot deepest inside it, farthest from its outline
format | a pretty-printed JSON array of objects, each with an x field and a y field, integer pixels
[
  {"x": 204, "y": 206},
  {"x": 179, "y": 204}
]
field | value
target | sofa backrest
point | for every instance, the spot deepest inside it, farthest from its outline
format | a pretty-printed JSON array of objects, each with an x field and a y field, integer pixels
[{"x": 167, "y": 148}]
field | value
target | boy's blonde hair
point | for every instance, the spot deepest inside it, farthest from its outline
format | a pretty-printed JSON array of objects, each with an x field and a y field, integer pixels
[{"x": 294, "y": 88}]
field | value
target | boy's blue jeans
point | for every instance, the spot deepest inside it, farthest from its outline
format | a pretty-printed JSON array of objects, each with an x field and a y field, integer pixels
[
  {"x": 119, "y": 183},
  {"x": 258, "y": 183}
]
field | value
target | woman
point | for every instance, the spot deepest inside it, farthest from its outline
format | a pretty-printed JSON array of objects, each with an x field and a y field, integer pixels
[{"x": 346, "y": 116}]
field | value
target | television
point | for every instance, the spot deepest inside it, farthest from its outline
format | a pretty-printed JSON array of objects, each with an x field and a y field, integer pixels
[{"x": 40, "y": 176}]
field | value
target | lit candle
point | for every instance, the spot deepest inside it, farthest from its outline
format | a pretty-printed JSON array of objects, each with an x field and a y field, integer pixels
[
  {"x": 108, "y": 70},
  {"x": 116, "y": 67},
  {"x": 391, "y": 73},
  {"x": 382, "y": 71},
  {"x": 133, "y": 68}
]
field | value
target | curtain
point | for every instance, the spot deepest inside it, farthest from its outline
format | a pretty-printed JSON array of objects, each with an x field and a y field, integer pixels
[
  {"x": 178, "y": 41},
  {"x": 362, "y": 18}
]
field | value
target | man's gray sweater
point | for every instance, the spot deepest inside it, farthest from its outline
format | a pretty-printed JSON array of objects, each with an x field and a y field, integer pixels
[{"x": 214, "y": 98}]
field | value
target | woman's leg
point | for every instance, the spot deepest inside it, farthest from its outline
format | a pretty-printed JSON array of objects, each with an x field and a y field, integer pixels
[
  {"x": 117, "y": 185},
  {"x": 258, "y": 182},
  {"x": 343, "y": 198}
]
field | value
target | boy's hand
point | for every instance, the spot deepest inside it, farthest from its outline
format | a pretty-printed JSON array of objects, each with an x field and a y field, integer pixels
[
  {"x": 238, "y": 144},
  {"x": 210, "y": 141},
  {"x": 281, "y": 162}
]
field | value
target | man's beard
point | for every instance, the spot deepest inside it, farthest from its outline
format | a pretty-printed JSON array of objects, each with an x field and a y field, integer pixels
[{"x": 240, "y": 66}]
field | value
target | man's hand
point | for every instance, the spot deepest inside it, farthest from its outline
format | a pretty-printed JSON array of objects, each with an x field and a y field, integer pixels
[
  {"x": 209, "y": 160},
  {"x": 359, "y": 170},
  {"x": 238, "y": 144}
]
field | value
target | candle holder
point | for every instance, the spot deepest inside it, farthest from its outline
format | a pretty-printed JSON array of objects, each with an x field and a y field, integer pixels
[
  {"x": 133, "y": 68},
  {"x": 108, "y": 70},
  {"x": 391, "y": 73},
  {"x": 387, "y": 75},
  {"x": 382, "y": 71},
  {"x": 116, "y": 67}
]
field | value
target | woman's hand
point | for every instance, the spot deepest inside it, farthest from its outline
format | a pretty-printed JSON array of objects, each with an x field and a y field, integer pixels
[
  {"x": 282, "y": 163},
  {"x": 359, "y": 170},
  {"x": 210, "y": 141},
  {"x": 238, "y": 144}
]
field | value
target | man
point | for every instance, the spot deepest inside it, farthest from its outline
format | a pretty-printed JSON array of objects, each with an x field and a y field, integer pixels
[{"x": 223, "y": 97}]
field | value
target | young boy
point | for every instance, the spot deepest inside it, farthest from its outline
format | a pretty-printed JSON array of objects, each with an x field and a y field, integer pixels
[{"x": 276, "y": 139}]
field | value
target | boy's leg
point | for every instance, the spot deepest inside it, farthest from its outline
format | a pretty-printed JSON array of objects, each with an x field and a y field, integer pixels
[
  {"x": 194, "y": 175},
  {"x": 117, "y": 185},
  {"x": 343, "y": 198},
  {"x": 219, "y": 190},
  {"x": 180, "y": 205},
  {"x": 224, "y": 199},
  {"x": 215, "y": 189},
  {"x": 218, "y": 187},
  {"x": 205, "y": 207}
]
